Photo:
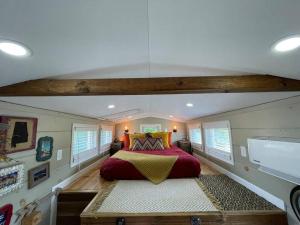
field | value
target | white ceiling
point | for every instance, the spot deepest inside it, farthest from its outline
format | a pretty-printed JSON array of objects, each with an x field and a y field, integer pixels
[
  {"x": 140, "y": 38},
  {"x": 116, "y": 38},
  {"x": 160, "y": 106}
]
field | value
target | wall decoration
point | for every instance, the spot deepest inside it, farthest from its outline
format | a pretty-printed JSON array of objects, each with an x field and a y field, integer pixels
[
  {"x": 34, "y": 218},
  {"x": 11, "y": 175},
  {"x": 44, "y": 149},
  {"x": 38, "y": 174},
  {"x": 5, "y": 214},
  {"x": 20, "y": 134},
  {"x": 3, "y": 127}
]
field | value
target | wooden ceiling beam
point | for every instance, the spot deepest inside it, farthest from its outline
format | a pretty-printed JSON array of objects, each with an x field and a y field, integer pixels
[{"x": 148, "y": 86}]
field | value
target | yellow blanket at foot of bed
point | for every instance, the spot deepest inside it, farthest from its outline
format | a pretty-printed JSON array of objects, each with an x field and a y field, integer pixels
[{"x": 155, "y": 168}]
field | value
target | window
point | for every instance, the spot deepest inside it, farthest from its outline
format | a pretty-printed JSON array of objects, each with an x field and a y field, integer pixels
[
  {"x": 106, "y": 137},
  {"x": 149, "y": 128},
  {"x": 84, "y": 143},
  {"x": 195, "y": 135},
  {"x": 218, "y": 140}
]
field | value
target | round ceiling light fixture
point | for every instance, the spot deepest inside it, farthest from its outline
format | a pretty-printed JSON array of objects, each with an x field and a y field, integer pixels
[
  {"x": 111, "y": 106},
  {"x": 14, "y": 48},
  {"x": 287, "y": 44},
  {"x": 189, "y": 104}
]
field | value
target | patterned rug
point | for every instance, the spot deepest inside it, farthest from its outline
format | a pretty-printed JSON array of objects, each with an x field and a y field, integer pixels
[
  {"x": 141, "y": 196},
  {"x": 233, "y": 196}
]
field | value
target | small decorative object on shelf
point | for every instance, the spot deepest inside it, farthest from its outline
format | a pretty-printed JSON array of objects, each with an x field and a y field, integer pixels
[
  {"x": 115, "y": 146},
  {"x": 11, "y": 175},
  {"x": 44, "y": 149},
  {"x": 185, "y": 145}
]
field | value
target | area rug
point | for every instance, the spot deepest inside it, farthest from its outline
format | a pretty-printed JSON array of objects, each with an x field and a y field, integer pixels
[
  {"x": 140, "y": 196},
  {"x": 231, "y": 195}
]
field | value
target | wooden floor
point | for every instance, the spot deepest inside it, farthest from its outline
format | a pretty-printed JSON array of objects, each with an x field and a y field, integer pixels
[{"x": 92, "y": 181}]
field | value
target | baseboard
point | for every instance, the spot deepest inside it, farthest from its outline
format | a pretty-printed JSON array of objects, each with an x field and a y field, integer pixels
[
  {"x": 75, "y": 176},
  {"x": 67, "y": 182},
  {"x": 266, "y": 195}
]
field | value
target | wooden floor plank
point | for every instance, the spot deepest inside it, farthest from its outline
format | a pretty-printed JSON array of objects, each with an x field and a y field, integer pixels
[{"x": 92, "y": 182}]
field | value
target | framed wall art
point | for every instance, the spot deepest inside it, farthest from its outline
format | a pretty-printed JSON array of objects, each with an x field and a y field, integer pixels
[
  {"x": 44, "y": 149},
  {"x": 19, "y": 135},
  {"x": 11, "y": 176},
  {"x": 38, "y": 174}
]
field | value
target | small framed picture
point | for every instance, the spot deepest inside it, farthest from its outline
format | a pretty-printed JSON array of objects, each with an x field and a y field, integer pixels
[
  {"x": 19, "y": 134},
  {"x": 38, "y": 174},
  {"x": 44, "y": 149},
  {"x": 11, "y": 176}
]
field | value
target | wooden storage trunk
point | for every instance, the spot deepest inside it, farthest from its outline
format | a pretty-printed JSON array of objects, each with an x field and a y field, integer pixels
[
  {"x": 269, "y": 217},
  {"x": 92, "y": 214}
]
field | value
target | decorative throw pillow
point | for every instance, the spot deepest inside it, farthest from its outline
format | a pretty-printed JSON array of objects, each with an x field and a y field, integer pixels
[
  {"x": 148, "y": 135},
  {"x": 170, "y": 138},
  {"x": 147, "y": 144},
  {"x": 132, "y": 136},
  {"x": 126, "y": 140},
  {"x": 164, "y": 136}
]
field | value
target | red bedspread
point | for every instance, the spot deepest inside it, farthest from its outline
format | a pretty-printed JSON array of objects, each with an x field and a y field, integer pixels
[{"x": 185, "y": 166}]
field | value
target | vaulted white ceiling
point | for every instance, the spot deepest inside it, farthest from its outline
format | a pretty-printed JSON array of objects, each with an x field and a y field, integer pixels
[
  {"x": 117, "y": 38},
  {"x": 161, "y": 106},
  {"x": 140, "y": 38}
]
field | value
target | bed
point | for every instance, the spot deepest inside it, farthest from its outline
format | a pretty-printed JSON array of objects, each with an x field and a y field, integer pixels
[{"x": 185, "y": 166}]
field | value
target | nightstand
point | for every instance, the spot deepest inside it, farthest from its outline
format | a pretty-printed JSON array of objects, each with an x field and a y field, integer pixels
[
  {"x": 185, "y": 145},
  {"x": 114, "y": 147}
]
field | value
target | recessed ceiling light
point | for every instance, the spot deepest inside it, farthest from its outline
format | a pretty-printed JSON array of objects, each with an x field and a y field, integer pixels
[
  {"x": 287, "y": 44},
  {"x": 171, "y": 116},
  {"x": 189, "y": 104},
  {"x": 14, "y": 48},
  {"x": 111, "y": 106}
]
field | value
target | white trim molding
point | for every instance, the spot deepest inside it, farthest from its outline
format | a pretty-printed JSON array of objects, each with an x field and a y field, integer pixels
[
  {"x": 259, "y": 191},
  {"x": 77, "y": 175},
  {"x": 67, "y": 182},
  {"x": 214, "y": 151}
]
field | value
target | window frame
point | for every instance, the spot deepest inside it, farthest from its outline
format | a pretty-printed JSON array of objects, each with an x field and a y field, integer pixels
[
  {"x": 86, "y": 155},
  {"x": 197, "y": 146},
  {"x": 105, "y": 147},
  {"x": 217, "y": 153},
  {"x": 153, "y": 125}
]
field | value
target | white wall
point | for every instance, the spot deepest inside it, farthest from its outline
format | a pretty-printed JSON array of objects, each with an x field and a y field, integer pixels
[
  {"x": 50, "y": 123},
  {"x": 134, "y": 126},
  {"x": 276, "y": 119}
]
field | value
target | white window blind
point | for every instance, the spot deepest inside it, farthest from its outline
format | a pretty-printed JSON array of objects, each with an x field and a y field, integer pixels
[
  {"x": 195, "y": 136},
  {"x": 84, "y": 143},
  {"x": 106, "y": 137},
  {"x": 218, "y": 140}
]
